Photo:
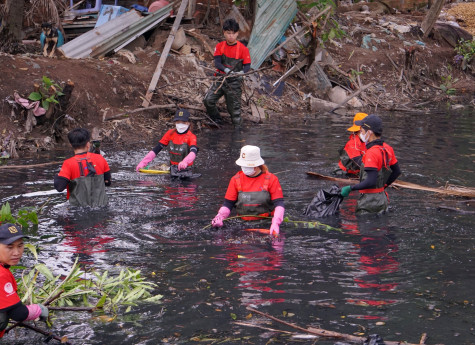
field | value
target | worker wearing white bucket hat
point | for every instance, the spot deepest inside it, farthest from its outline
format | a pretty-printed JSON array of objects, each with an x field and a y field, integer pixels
[{"x": 254, "y": 191}]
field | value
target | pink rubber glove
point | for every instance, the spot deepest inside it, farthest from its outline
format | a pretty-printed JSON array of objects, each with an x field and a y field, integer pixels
[
  {"x": 223, "y": 213},
  {"x": 187, "y": 161},
  {"x": 147, "y": 159},
  {"x": 35, "y": 311},
  {"x": 276, "y": 221}
]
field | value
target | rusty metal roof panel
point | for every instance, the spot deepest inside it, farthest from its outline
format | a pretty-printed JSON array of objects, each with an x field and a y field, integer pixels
[
  {"x": 270, "y": 23},
  {"x": 115, "y": 32}
]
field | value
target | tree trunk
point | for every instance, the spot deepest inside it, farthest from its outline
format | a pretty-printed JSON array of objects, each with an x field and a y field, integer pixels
[
  {"x": 431, "y": 17},
  {"x": 11, "y": 29}
]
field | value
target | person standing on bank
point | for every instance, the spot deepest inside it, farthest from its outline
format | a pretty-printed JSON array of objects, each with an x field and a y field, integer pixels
[
  {"x": 11, "y": 307},
  {"x": 254, "y": 191},
  {"x": 352, "y": 154},
  {"x": 379, "y": 168},
  {"x": 85, "y": 175},
  {"x": 231, "y": 58},
  {"x": 181, "y": 144}
]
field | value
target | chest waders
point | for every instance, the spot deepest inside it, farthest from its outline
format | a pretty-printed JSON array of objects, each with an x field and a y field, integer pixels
[
  {"x": 177, "y": 154},
  {"x": 3, "y": 321},
  {"x": 375, "y": 200},
  {"x": 347, "y": 164},
  {"x": 255, "y": 203},
  {"x": 231, "y": 89},
  {"x": 88, "y": 190}
]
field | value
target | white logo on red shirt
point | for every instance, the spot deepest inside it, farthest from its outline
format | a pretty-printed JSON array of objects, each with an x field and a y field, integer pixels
[{"x": 8, "y": 288}]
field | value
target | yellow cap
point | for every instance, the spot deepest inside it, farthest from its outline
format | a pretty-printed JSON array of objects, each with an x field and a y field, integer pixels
[{"x": 358, "y": 117}]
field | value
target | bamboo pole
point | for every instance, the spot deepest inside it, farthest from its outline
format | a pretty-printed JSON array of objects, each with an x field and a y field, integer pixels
[
  {"x": 29, "y": 165},
  {"x": 312, "y": 330},
  {"x": 325, "y": 333},
  {"x": 163, "y": 57}
]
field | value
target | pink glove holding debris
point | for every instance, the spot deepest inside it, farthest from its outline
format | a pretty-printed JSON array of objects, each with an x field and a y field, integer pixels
[
  {"x": 187, "y": 161},
  {"x": 148, "y": 158},
  {"x": 35, "y": 311},
  {"x": 223, "y": 213},
  {"x": 276, "y": 221}
]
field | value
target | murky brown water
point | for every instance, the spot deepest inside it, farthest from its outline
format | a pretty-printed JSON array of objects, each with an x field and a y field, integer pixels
[{"x": 399, "y": 275}]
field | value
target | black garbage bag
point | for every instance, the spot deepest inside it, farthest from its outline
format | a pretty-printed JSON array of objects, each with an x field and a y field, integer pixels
[
  {"x": 374, "y": 339},
  {"x": 182, "y": 174},
  {"x": 326, "y": 203}
]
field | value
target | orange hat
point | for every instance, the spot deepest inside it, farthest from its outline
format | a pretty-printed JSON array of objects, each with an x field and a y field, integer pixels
[{"x": 358, "y": 117}]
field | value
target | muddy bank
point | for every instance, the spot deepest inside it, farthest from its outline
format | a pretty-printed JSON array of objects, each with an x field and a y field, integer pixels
[{"x": 379, "y": 53}]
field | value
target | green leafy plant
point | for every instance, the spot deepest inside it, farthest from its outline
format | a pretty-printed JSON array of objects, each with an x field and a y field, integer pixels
[
  {"x": 334, "y": 32},
  {"x": 447, "y": 85},
  {"x": 465, "y": 50},
  {"x": 321, "y": 4},
  {"x": 24, "y": 217},
  {"x": 239, "y": 3},
  {"x": 47, "y": 93},
  {"x": 354, "y": 76}
]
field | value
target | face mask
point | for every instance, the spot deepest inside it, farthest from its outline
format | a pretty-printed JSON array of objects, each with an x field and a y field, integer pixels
[
  {"x": 364, "y": 138},
  {"x": 247, "y": 171},
  {"x": 181, "y": 128}
]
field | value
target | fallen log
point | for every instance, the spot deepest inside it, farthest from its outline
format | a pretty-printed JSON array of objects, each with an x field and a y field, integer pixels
[{"x": 448, "y": 189}]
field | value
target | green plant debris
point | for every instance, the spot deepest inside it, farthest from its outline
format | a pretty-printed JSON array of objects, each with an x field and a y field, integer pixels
[
  {"x": 47, "y": 93},
  {"x": 24, "y": 218},
  {"x": 104, "y": 290}
]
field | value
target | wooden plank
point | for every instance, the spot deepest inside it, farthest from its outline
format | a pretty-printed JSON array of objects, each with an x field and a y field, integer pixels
[
  {"x": 448, "y": 190},
  {"x": 163, "y": 57},
  {"x": 431, "y": 17},
  {"x": 191, "y": 8}
]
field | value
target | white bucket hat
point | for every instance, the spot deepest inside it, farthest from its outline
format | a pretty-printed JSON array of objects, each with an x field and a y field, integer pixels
[{"x": 250, "y": 157}]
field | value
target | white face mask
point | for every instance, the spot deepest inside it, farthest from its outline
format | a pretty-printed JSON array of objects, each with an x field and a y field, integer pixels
[
  {"x": 181, "y": 128},
  {"x": 248, "y": 171},
  {"x": 364, "y": 138}
]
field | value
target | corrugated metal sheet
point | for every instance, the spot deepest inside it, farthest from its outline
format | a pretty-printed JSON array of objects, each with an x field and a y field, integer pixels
[
  {"x": 271, "y": 21},
  {"x": 115, "y": 32},
  {"x": 109, "y": 12}
]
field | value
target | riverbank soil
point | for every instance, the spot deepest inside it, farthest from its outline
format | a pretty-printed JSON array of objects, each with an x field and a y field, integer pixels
[{"x": 386, "y": 50}]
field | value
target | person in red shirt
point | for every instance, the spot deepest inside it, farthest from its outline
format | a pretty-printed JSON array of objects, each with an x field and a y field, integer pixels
[
  {"x": 11, "y": 251},
  {"x": 181, "y": 144},
  {"x": 85, "y": 175},
  {"x": 379, "y": 168},
  {"x": 254, "y": 191},
  {"x": 352, "y": 154},
  {"x": 231, "y": 57}
]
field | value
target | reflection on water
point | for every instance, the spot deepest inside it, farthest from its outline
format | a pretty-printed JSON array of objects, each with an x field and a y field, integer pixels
[{"x": 399, "y": 275}]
